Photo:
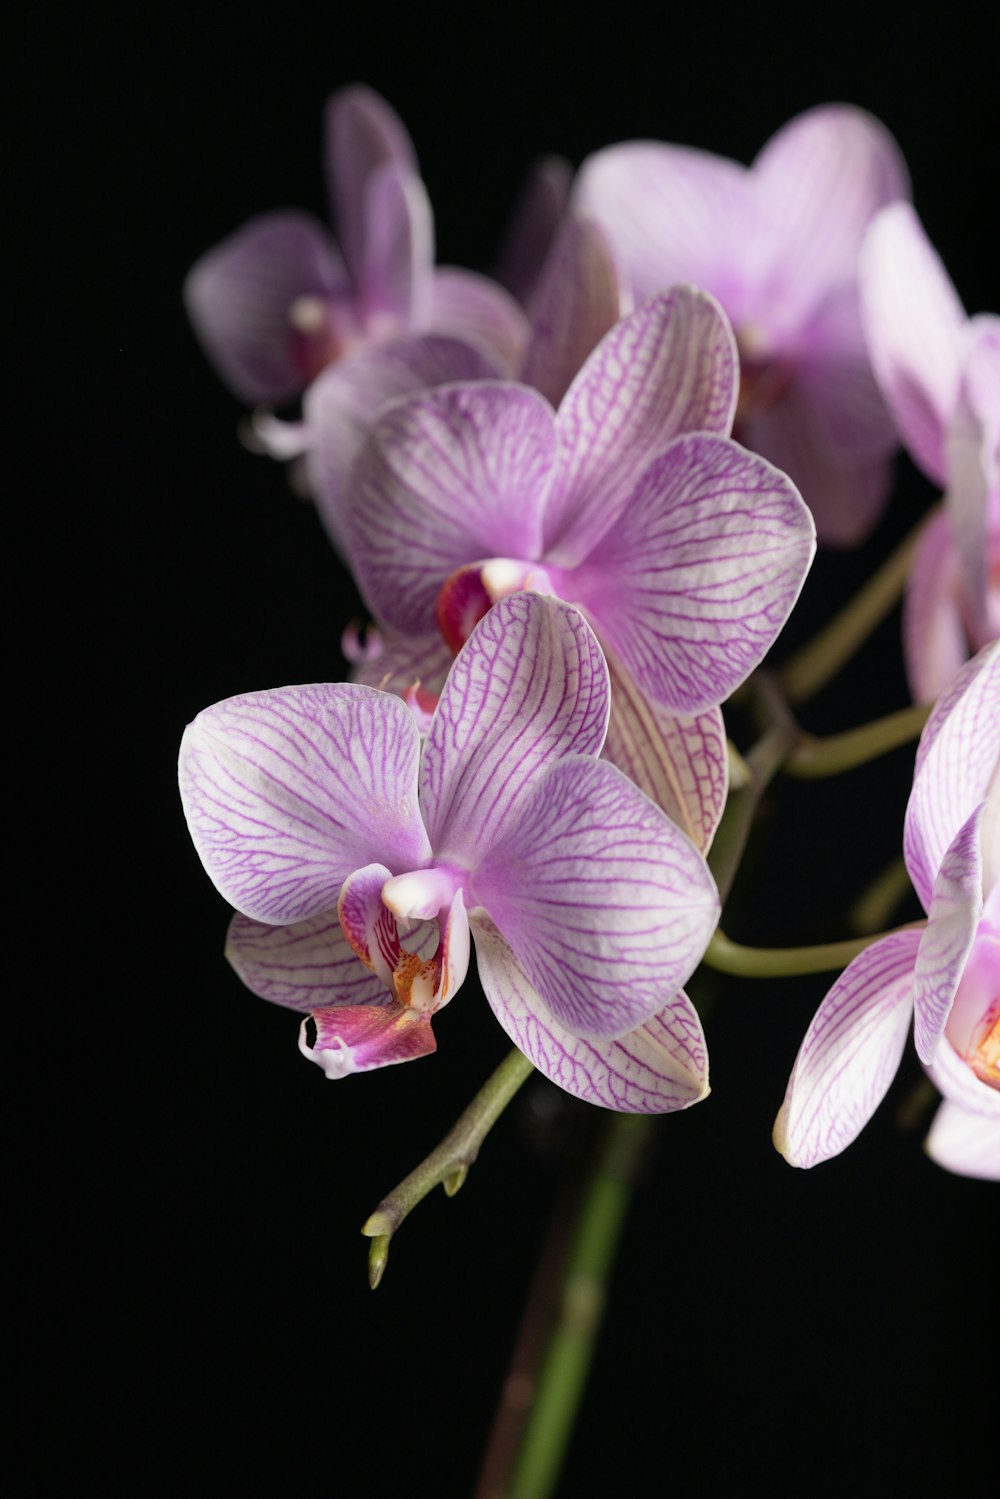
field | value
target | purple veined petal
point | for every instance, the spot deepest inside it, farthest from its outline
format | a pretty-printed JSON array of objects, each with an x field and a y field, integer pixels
[
  {"x": 681, "y": 763},
  {"x": 965, "y": 1143},
  {"x": 362, "y": 133},
  {"x": 394, "y": 285},
  {"x": 914, "y": 323},
  {"x": 606, "y": 904},
  {"x": 956, "y": 1081},
  {"x": 696, "y": 580},
  {"x": 955, "y": 908},
  {"x": 818, "y": 183},
  {"x": 241, "y": 298},
  {"x": 533, "y": 225},
  {"x": 973, "y": 456},
  {"x": 360, "y": 1038},
  {"x": 529, "y": 687},
  {"x": 934, "y": 644},
  {"x": 342, "y": 405},
  {"x": 286, "y": 792},
  {"x": 402, "y": 662},
  {"x": 657, "y": 1068},
  {"x": 974, "y": 1022},
  {"x": 452, "y": 476},
  {"x": 669, "y": 367},
  {"x": 577, "y": 300},
  {"x": 370, "y": 929},
  {"x": 849, "y": 1054},
  {"x": 672, "y": 213},
  {"x": 956, "y": 762},
  {"x": 304, "y": 966},
  {"x": 466, "y": 305}
]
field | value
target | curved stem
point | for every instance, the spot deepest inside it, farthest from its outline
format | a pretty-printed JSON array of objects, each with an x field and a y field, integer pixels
[
  {"x": 786, "y": 962},
  {"x": 760, "y": 765},
  {"x": 830, "y": 756},
  {"x": 449, "y": 1163}
]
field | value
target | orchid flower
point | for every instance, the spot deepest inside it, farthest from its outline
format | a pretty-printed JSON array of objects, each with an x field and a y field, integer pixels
[
  {"x": 279, "y": 300},
  {"x": 533, "y": 226},
  {"x": 940, "y": 374},
  {"x": 778, "y": 245},
  {"x": 946, "y": 976},
  {"x": 342, "y": 842}
]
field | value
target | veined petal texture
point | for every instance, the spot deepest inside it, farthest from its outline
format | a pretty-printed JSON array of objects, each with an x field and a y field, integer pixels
[
  {"x": 303, "y": 966},
  {"x": 287, "y": 792},
  {"x": 362, "y": 133},
  {"x": 657, "y": 1068},
  {"x": 966, "y": 1143},
  {"x": 606, "y": 904},
  {"x": 850, "y": 1053},
  {"x": 955, "y": 908},
  {"x": 529, "y": 687},
  {"x": 448, "y": 477}
]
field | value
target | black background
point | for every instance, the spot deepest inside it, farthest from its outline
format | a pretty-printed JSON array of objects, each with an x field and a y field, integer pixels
[{"x": 207, "y": 1315}]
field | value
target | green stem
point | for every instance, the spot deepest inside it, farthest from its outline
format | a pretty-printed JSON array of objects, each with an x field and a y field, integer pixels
[
  {"x": 814, "y": 665},
  {"x": 761, "y": 765},
  {"x": 449, "y": 1163},
  {"x": 570, "y": 1349},
  {"x": 830, "y": 756},
  {"x": 785, "y": 962}
]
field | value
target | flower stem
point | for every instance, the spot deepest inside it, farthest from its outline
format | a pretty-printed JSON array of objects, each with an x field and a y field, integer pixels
[
  {"x": 785, "y": 962},
  {"x": 760, "y": 765},
  {"x": 449, "y": 1163},
  {"x": 813, "y": 666},
  {"x": 564, "y": 1370},
  {"x": 812, "y": 758}
]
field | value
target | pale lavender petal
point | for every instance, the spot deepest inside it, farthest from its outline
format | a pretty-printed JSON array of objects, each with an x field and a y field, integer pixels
[
  {"x": 670, "y": 367},
  {"x": 529, "y": 686},
  {"x": 455, "y": 475},
  {"x": 973, "y": 456},
  {"x": 956, "y": 763},
  {"x": 605, "y": 903},
  {"x": 357, "y": 1039},
  {"x": 965, "y": 1143},
  {"x": 974, "y": 1022},
  {"x": 578, "y": 299},
  {"x": 955, "y": 908},
  {"x": 955, "y": 1079},
  {"x": 680, "y": 763},
  {"x": 533, "y": 225},
  {"x": 287, "y": 792},
  {"x": 240, "y": 298},
  {"x": 466, "y": 305},
  {"x": 657, "y": 1068},
  {"x": 914, "y": 322},
  {"x": 394, "y": 285},
  {"x": 362, "y": 133},
  {"x": 849, "y": 1054},
  {"x": 302, "y": 966},
  {"x": 818, "y": 183},
  {"x": 694, "y": 583},
  {"x": 404, "y": 661},
  {"x": 342, "y": 405},
  {"x": 934, "y": 643}
]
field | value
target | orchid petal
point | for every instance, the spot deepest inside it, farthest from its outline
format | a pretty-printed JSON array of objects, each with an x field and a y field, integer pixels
[
  {"x": 359, "y": 1038},
  {"x": 955, "y": 1079},
  {"x": 370, "y": 929},
  {"x": 529, "y": 686},
  {"x": 657, "y": 1068},
  {"x": 287, "y": 792},
  {"x": 362, "y": 133},
  {"x": 914, "y": 323},
  {"x": 240, "y": 295},
  {"x": 577, "y": 300},
  {"x": 973, "y": 456},
  {"x": 474, "y": 308},
  {"x": 395, "y": 283},
  {"x": 605, "y": 903},
  {"x": 696, "y": 580},
  {"x": 965, "y": 1143},
  {"x": 670, "y": 367},
  {"x": 680, "y": 762},
  {"x": 533, "y": 226},
  {"x": 955, "y": 908},
  {"x": 447, "y": 477},
  {"x": 303, "y": 966},
  {"x": 850, "y": 1053},
  {"x": 934, "y": 644},
  {"x": 402, "y": 662},
  {"x": 956, "y": 762}
]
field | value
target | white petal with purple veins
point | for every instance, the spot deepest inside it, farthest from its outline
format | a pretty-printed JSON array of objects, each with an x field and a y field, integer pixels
[
  {"x": 955, "y": 908},
  {"x": 968, "y": 1144},
  {"x": 303, "y": 966}
]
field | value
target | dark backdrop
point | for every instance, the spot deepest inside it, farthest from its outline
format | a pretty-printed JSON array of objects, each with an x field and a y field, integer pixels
[{"x": 812, "y": 1333}]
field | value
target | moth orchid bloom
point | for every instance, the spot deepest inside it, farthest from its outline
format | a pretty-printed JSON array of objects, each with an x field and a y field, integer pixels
[
  {"x": 778, "y": 245},
  {"x": 279, "y": 300},
  {"x": 946, "y": 976},
  {"x": 940, "y": 374},
  {"x": 340, "y": 837}
]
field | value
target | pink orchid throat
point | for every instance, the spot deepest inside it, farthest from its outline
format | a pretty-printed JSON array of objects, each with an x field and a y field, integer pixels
[{"x": 471, "y": 591}]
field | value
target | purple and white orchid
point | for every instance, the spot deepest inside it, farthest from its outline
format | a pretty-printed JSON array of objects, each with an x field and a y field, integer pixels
[
  {"x": 358, "y": 859},
  {"x": 778, "y": 245},
  {"x": 279, "y": 300},
  {"x": 946, "y": 976},
  {"x": 940, "y": 374}
]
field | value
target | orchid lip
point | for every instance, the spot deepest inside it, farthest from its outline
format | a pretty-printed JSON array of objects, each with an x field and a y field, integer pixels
[
  {"x": 422, "y": 894},
  {"x": 502, "y": 576}
]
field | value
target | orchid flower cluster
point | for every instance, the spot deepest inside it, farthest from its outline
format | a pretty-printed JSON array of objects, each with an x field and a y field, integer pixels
[{"x": 579, "y": 502}]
